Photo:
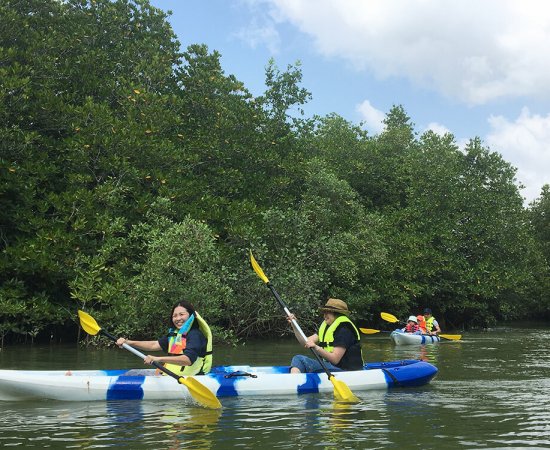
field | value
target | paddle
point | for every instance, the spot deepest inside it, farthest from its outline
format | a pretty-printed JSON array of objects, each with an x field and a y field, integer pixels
[
  {"x": 198, "y": 391},
  {"x": 391, "y": 318},
  {"x": 341, "y": 390},
  {"x": 371, "y": 331}
]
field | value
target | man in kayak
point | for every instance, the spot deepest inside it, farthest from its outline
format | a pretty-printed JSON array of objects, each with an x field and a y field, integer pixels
[
  {"x": 188, "y": 345},
  {"x": 432, "y": 326},
  {"x": 337, "y": 342}
]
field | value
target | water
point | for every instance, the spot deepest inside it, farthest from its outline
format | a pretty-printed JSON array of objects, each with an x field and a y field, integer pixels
[{"x": 492, "y": 391}]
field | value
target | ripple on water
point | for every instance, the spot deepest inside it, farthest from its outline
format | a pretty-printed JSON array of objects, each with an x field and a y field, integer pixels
[{"x": 491, "y": 392}]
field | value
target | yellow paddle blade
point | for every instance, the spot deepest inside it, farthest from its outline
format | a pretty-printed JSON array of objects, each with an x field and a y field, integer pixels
[
  {"x": 257, "y": 268},
  {"x": 342, "y": 392},
  {"x": 88, "y": 323},
  {"x": 368, "y": 331},
  {"x": 200, "y": 393},
  {"x": 389, "y": 317},
  {"x": 452, "y": 337}
]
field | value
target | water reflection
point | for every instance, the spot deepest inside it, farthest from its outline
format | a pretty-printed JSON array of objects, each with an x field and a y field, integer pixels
[
  {"x": 190, "y": 427},
  {"x": 491, "y": 392}
]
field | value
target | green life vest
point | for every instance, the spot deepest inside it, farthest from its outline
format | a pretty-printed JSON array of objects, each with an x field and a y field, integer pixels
[
  {"x": 430, "y": 323},
  {"x": 176, "y": 346},
  {"x": 353, "y": 358}
]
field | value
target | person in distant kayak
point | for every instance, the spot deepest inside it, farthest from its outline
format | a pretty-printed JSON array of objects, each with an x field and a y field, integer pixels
[
  {"x": 421, "y": 323},
  {"x": 338, "y": 342},
  {"x": 432, "y": 326},
  {"x": 412, "y": 326},
  {"x": 188, "y": 344}
]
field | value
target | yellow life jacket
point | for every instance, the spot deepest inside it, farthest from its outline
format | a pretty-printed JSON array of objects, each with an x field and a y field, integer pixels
[
  {"x": 176, "y": 346},
  {"x": 430, "y": 323},
  {"x": 353, "y": 358}
]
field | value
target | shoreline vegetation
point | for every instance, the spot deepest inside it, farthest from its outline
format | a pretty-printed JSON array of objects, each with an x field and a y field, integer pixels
[{"x": 134, "y": 173}]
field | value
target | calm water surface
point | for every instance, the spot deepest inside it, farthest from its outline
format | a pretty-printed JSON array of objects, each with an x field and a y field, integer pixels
[{"x": 492, "y": 391}]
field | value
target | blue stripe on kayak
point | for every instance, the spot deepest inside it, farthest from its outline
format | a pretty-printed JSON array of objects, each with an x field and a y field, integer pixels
[
  {"x": 281, "y": 369},
  {"x": 227, "y": 387},
  {"x": 228, "y": 376},
  {"x": 126, "y": 388},
  {"x": 423, "y": 339},
  {"x": 227, "y": 370},
  {"x": 114, "y": 372},
  {"x": 311, "y": 385}
]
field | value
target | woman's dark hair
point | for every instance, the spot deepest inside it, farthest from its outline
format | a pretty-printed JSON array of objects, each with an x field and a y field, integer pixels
[{"x": 188, "y": 306}]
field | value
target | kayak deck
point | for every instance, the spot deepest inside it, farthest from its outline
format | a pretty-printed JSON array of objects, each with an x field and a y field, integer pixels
[{"x": 223, "y": 381}]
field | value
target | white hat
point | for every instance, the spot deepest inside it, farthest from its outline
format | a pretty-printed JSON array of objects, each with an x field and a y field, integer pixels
[{"x": 413, "y": 318}]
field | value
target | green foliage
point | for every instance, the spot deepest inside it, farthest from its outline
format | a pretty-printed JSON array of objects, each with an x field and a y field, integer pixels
[
  {"x": 133, "y": 174},
  {"x": 181, "y": 263},
  {"x": 539, "y": 216},
  {"x": 461, "y": 242},
  {"x": 24, "y": 313},
  {"x": 539, "y": 213},
  {"x": 326, "y": 245}
]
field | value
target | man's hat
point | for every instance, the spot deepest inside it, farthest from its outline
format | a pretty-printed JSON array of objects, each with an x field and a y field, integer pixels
[{"x": 336, "y": 305}]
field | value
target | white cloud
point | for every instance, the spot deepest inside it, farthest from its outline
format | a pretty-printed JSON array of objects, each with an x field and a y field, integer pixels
[
  {"x": 257, "y": 35},
  {"x": 473, "y": 52},
  {"x": 372, "y": 117},
  {"x": 525, "y": 143},
  {"x": 437, "y": 128},
  {"x": 470, "y": 50}
]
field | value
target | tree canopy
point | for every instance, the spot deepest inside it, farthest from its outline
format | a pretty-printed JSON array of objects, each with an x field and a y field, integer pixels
[{"x": 135, "y": 173}]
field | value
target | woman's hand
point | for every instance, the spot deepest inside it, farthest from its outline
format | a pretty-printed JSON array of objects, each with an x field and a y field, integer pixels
[
  {"x": 120, "y": 342},
  {"x": 149, "y": 359}
]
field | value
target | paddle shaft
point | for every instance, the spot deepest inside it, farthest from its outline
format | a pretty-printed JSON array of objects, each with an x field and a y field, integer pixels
[
  {"x": 141, "y": 355},
  {"x": 298, "y": 328}
]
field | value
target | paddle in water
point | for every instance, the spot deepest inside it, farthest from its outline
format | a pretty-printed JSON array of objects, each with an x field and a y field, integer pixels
[
  {"x": 200, "y": 393},
  {"x": 342, "y": 391},
  {"x": 392, "y": 319}
]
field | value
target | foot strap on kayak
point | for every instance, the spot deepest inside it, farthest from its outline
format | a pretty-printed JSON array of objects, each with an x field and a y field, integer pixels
[{"x": 240, "y": 374}]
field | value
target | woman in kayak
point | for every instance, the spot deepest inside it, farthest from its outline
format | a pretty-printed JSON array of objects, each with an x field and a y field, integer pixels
[
  {"x": 337, "y": 342},
  {"x": 188, "y": 345}
]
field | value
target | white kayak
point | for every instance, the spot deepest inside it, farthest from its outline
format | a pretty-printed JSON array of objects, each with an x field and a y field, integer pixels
[
  {"x": 401, "y": 338},
  {"x": 223, "y": 381}
]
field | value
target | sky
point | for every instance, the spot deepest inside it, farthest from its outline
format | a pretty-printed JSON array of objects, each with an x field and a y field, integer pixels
[{"x": 474, "y": 68}]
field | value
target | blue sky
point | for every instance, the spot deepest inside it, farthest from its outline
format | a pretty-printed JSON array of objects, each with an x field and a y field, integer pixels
[{"x": 468, "y": 67}]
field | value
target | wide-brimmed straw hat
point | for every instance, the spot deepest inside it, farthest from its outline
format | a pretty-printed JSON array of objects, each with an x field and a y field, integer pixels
[{"x": 336, "y": 305}]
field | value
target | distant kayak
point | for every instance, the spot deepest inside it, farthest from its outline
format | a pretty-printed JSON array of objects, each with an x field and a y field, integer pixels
[
  {"x": 223, "y": 381},
  {"x": 401, "y": 338}
]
